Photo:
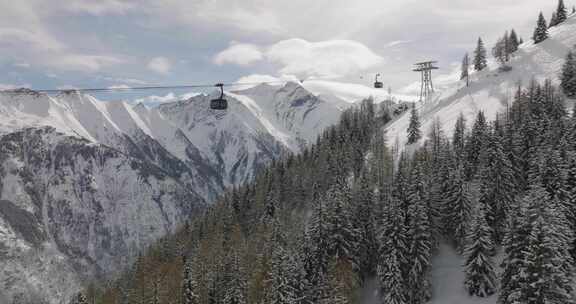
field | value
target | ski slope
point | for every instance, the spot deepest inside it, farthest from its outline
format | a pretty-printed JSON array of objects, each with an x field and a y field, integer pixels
[{"x": 491, "y": 90}]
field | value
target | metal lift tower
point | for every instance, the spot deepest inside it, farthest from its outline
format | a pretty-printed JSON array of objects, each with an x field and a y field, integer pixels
[{"x": 425, "y": 69}]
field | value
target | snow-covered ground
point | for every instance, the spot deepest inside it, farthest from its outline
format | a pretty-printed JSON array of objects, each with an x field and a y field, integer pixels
[
  {"x": 491, "y": 90},
  {"x": 448, "y": 278}
]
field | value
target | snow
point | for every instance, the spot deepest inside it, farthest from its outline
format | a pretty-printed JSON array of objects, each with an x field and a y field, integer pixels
[
  {"x": 258, "y": 113},
  {"x": 448, "y": 279},
  {"x": 491, "y": 90}
]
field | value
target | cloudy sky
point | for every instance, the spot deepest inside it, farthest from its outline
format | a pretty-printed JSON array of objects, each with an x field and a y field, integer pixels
[{"x": 104, "y": 43}]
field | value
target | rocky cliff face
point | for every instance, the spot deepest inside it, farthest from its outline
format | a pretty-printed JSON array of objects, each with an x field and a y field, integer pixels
[{"x": 71, "y": 210}]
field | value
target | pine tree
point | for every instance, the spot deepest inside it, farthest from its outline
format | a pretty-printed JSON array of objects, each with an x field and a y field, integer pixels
[
  {"x": 497, "y": 184},
  {"x": 514, "y": 263},
  {"x": 502, "y": 50},
  {"x": 475, "y": 144},
  {"x": 465, "y": 69},
  {"x": 235, "y": 291},
  {"x": 420, "y": 236},
  {"x": 568, "y": 77},
  {"x": 363, "y": 223},
  {"x": 414, "y": 133},
  {"x": 280, "y": 289},
  {"x": 514, "y": 42},
  {"x": 553, "y": 20},
  {"x": 190, "y": 286},
  {"x": 480, "y": 59},
  {"x": 459, "y": 137},
  {"x": 458, "y": 207},
  {"x": 480, "y": 275},
  {"x": 318, "y": 234},
  {"x": 541, "y": 31},
  {"x": 80, "y": 298},
  {"x": 341, "y": 282},
  {"x": 392, "y": 256},
  {"x": 561, "y": 12},
  {"x": 538, "y": 267},
  {"x": 342, "y": 237}
]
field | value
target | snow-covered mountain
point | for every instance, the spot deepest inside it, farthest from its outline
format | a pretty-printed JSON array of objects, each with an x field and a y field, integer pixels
[
  {"x": 491, "y": 90},
  {"x": 85, "y": 184}
]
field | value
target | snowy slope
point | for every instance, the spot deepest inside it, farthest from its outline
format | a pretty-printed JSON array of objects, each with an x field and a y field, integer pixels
[
  {"x": 304, "y": 117},
  {"x": 490, "y": 90},
  {"x": 261, "y": 123}
]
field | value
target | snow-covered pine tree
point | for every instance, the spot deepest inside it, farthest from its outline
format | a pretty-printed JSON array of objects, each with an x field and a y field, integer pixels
[
  {"x": 514, "y": 42},
  {"x": 538, "y": 267},
  {"x": 553, "y": 20},
  {"x": 541, "y": 31},
  {"x": 497, "y": 187},
  {"x": 420, "y": 239},
  {"x": 280, "y": 288},
  {"x": 480, "y": 59},
  {"x": 515, "y": 244},
  {"x": 465, "y": 69},
  {"x": 317, "y": 233},
  {"x": 414, "y": 133},
  {"x": 341, "y": 283},
  {"x": 550, "y": 266},
  {"x": 561, "y": 12},
  {"x": 392, "y": 255},
  {"x": 155, "y": 299},
  {"x": 457, "y": 207},
  {"x": 342, "y": 237},
  {"x": 235, "y": 291},
  {"x": 571, "y": 200},
  {"x": 475, "y": 144},
  {"x": 80, "y": 298},
  {"x": 501, "y": 50},
  {"x": 459, "y": 137},
  {"x": 480, "y": 275},
  {"x": 568, "y": 77},
  {"x": 363, "y": 202},
  {"x": 189, "y": 286}
]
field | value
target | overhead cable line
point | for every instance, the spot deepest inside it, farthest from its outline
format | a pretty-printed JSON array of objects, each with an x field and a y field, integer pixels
[{"x": 141, "y": 88}]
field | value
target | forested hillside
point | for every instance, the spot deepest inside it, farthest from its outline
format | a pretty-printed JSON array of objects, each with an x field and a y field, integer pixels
[{"x": 314, "y": 228}]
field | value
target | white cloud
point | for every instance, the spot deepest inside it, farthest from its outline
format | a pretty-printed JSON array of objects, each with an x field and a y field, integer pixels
[
  {"x": 25, "y": 36},
  {"x": 98, "y": 8},
  {"x": 83, "y": 63},
  {"x": 131, "y": 81},
  {"x": 9, "y": 86},
  {"x": 397, "y": 42},
  {"x": 240, "y": 54},
  {"x": 335, "y": 58},
  {"x": 253, "y": 80},
  {"x": 119, "y": 86},
  {"x": 24, "y": 65},
  {"x": 160, "y": 65},
  {"x": 304, "y": 59}
]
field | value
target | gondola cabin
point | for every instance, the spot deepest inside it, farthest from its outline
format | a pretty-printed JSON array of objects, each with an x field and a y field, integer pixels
[
  {"x": 219, "y": 103},
  {"x": 378, "y": 84}
]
